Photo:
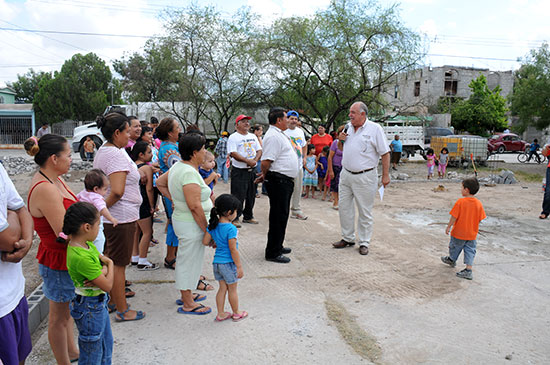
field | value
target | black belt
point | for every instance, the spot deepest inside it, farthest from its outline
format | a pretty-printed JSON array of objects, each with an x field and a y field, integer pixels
[
  {"x": 249, "y": 169},
  {"x": 99, "y": 297},
  {"x": 278, "y": 175},
  {"x": 359, "y": 172}
]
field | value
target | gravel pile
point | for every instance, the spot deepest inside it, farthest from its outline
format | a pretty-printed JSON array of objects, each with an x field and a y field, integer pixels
[{"x": 22, "y": 165}]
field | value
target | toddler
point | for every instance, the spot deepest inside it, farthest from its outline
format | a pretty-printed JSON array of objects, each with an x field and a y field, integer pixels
[
  {"x": 92, "y": 280},
  {"x": 206, "y": 169},
  {"x": 322, "y": 166},
  {"x": 430, "y": 157},
  {"x": 310, "y": 173},
  {"x": 465, "y": 217},
  {"x": 443, "y": 160},
  {"x": 227, "y": 262},
  {"x": 96, "y": 185}
]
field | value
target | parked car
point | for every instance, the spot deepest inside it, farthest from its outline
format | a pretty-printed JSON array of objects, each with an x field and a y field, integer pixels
[
  {"x": 80, "y": 134},
  {"x": 507, "y": 142},
  {"x": 436, "y": 131}
]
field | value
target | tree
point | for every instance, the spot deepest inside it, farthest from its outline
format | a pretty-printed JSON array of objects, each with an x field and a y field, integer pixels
[
  {"x": 530, "y": 100},
  {"x": 484, "y": 111},
  {"x": 324, "y": 63},
  {"x": 26, "y": 85},
  {"x": 80, "y": 90}
]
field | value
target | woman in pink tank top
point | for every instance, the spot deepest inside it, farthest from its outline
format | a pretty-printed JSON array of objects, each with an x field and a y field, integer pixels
[{"x": 48, "y": 199}]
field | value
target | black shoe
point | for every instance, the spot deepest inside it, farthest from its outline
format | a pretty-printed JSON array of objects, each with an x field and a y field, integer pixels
[
  {"x": 280, "y": 259},
  {"x": 286, "y": 250}
]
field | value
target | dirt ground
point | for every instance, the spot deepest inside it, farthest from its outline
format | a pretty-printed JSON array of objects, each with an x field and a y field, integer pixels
[{"x": 398, "y": 305}]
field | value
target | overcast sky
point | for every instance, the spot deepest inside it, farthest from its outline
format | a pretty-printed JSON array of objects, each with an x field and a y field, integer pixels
[{"x": 483, "y": 33}]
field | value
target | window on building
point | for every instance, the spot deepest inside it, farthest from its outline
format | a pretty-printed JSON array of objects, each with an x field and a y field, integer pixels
[
  {"x": 451, "y": 82},
  {"x": 396, "y": 92},
  {"x": 417, "y": 88},
  {"x": 1, "y": 99}
]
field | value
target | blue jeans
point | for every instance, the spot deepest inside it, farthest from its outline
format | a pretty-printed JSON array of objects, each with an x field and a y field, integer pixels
[
  {"x": 469, "y": 247},
  {"x": 58, "y": 285},
  {"x": 222, "y": 168},
  {"x": 226, "y": 272},
  {"x": 95, "y": 338}
]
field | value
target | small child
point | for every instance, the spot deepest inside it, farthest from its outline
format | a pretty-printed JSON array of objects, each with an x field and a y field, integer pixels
[
  {"x": 96, "y": 185},
  {"x": 465, "y": 217},
  {"x": 87, "y": 266},
  {"x": 206, "y": 169},
  {"x": 443, "y": 160},
  {"x": 533, "y": 148},
  {"x": 322, "y": 166},
  {"x": 310, "y": 173},
  {"x": 142, "y": 155},
  {"x": 430, "y": 157},
  {"x": 227, "y": 262}
]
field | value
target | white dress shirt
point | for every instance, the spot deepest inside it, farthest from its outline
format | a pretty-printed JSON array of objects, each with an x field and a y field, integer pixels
[
  {"x": 279, "y": 149},
  {"x": 364, "y": 146}
]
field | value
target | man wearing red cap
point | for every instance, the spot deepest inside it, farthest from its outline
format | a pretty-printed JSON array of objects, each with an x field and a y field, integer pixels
[{"x": 245, "y": 151}]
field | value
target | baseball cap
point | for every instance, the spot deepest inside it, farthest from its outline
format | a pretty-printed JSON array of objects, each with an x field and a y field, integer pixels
[
  {"x": 241, "y": 117},
  {"x": 293, "y": 113}
]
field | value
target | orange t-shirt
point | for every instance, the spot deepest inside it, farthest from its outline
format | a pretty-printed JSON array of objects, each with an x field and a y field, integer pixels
[
  {"x": 468, "y": 213},
  {"x": 320, "y": 142}
]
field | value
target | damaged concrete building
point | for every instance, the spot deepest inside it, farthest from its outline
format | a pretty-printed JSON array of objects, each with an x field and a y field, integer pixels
[{"x": 418, "y": 91}]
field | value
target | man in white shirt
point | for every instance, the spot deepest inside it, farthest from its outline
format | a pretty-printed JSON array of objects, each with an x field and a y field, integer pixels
[
  {"x": 279, "y": 169},
  {"x": 298, "y": 139},
  {"x": 364, "y": 144},
  {"x": 42, "y": 131},
  {"x": 16, "y": 230},
  {"x": 245, "y": 151}
]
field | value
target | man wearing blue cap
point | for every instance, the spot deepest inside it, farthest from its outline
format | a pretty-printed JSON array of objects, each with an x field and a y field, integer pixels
[{"x": 298, "y": 139}]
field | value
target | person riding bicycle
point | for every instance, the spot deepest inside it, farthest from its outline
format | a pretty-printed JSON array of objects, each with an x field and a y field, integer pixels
[{"x": 533, "y": 148}]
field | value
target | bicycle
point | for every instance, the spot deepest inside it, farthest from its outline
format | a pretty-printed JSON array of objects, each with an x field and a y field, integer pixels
[{"x": 523, "y": 157}]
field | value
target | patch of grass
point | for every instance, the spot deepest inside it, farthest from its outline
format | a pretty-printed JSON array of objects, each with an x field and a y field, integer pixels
[
  {"x": 364, "y": 344},
  {"x": 528, "y": 177}
]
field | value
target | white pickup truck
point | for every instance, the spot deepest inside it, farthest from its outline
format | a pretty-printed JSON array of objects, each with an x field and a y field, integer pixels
[{"x": 412, "y": 138}]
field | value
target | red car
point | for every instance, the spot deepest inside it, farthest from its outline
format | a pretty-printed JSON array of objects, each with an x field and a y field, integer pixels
[{"x": 507, "y": 142}]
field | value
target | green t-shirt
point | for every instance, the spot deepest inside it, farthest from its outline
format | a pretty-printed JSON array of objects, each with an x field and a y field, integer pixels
[
  {"x": 84, "y": 264},
  {"x": 182, "y": 174}
]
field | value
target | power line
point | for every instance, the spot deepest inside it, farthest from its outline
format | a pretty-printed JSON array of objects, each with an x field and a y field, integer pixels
[
  {"x": 76, "y": 33},
  {"x": 37, "y": 65},
  {"x": 473, "y": 57}
]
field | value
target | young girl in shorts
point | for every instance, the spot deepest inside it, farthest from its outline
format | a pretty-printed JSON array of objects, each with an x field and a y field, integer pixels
[
  {"x": 87, "y": 266},
  {"x": 443, "y": 161},
  {"x": 430, "y": 157},
  {"x": 227, "y": 262},
  {"x": 310, "y": 173},
  {"x": 96, "y": 185},
  {"x": 142, "y": 155}
]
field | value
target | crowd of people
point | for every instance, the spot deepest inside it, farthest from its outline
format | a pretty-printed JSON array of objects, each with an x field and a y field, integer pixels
[{"x": 89, "y": 239}]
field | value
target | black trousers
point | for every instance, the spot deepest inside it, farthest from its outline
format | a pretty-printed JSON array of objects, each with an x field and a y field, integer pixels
[
  {"x": 242, "y": 187},
  {"x": 279, "y": 189}
]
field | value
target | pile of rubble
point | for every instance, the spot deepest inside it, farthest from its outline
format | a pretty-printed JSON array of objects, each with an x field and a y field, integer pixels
[
  {"x": 505, "y": 177},
  {"x": 21, "y": 165}
]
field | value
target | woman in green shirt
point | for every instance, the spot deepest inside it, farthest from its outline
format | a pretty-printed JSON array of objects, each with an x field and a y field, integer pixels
[{"x": 192, "y": 204}]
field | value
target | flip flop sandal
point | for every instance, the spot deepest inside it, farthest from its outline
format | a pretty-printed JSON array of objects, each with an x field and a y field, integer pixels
[
  {"x": 112, "y": 307},
  {"x": 194, "y": 310},
  {"x": 170, "y": 264},
  {"x": 129, "y": 293},
  {"x": 205, "y": 286},
  {"x": 543, "y": 216},
  {"x": 139, "y": 315},
  {"x": 127, "y": 283},
  {"x": 237, "y": 317},
  {"x": 153, "y": 242},
  {"x": 196, "y": 297},
  {"x": 221, "y": 319}
]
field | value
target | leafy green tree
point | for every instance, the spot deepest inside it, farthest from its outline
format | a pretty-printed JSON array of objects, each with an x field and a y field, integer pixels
[
  {"x": 81, "y": 90},
  {"x": 347, "y": 52},
  {"x": 483, "y": 112},
  {"x": 26, "y": 85},
  {"x": 530, "y": 100}
]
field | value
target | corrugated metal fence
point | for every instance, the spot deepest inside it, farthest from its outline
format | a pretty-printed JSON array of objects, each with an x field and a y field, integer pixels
[{"x": 65, "y": 128}]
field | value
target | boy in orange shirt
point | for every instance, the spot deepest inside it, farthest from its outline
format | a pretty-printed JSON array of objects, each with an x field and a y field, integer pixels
[{"x": 465, "y": 217}]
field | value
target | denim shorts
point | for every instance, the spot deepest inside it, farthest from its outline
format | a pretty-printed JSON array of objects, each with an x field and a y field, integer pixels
[
  {"x": 469, "y": 247},
  {"x": 226, "y": 272},
  {"x": 58, "y": 285}
]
